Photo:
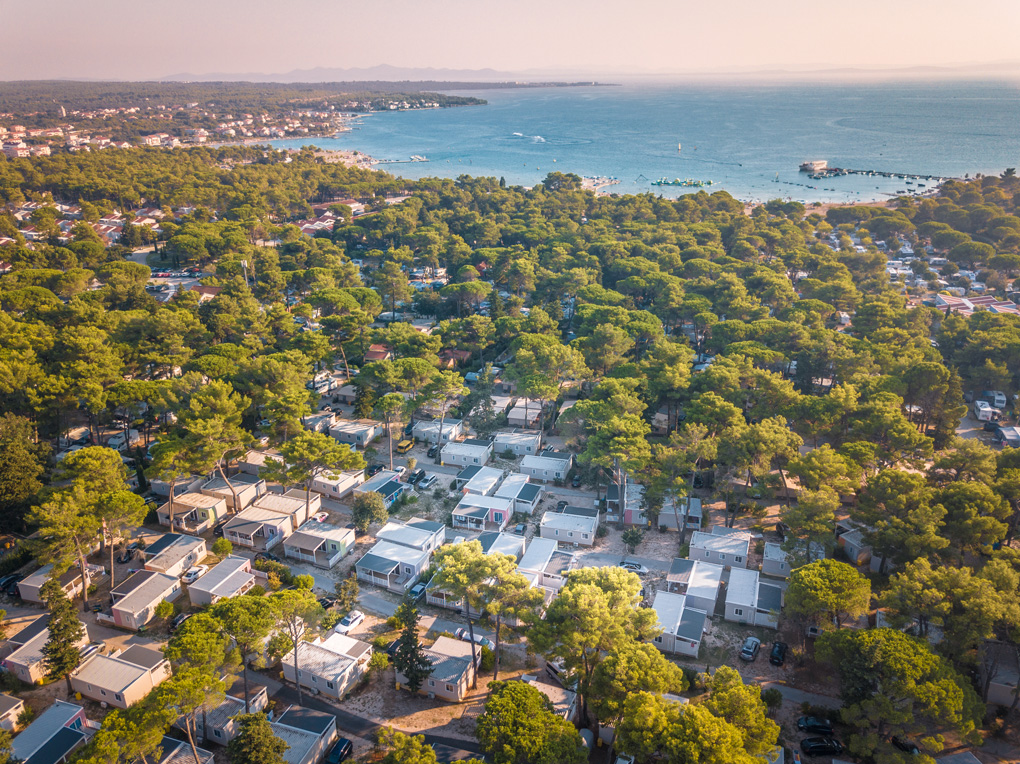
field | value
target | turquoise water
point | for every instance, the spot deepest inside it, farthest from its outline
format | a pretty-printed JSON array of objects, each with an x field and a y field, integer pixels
[{"x": 739, "y": 137}]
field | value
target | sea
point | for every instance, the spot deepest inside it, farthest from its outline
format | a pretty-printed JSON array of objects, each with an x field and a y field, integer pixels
[{"x": 746, "y": 139}]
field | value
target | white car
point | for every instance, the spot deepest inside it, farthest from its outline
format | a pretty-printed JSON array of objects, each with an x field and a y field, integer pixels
[
  {"x": 633, "y": 567},
  {"x": 400, "y": 470},
  {"x": 194, "y": 573},
  {"x": 349, "y": 621}
]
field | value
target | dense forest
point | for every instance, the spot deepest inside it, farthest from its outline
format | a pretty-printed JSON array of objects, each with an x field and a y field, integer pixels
[{"x": 728, "y": 322}]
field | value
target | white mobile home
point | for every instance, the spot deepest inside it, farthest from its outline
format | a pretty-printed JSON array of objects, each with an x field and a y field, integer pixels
[
  {"x": 518, "y": 442},
  {"x": 750, "y": 600},
  {"x": 548, "y": 466},
  {"x": 466, "y": 453},
  {"x": 699, "y": 581},
  {"x": 682, "y": 626},
  {"x": 246, "y": 488},
  {"x": 721, "y": 550},
  {"x": 566, "y": 527},
  {"x": 357, "y": 432},
  {"x": 524, "y": 494},
  {"x": 229, "y": 578},
  {"x": 428, "y": 432}
]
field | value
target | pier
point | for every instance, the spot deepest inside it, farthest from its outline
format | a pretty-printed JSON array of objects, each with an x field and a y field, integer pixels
[{"x": 835, "y": 172}]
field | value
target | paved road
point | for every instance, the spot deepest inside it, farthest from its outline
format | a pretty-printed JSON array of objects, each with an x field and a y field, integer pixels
[
  {"x": 447, "y": 748},
  {"x": 799, "y": 696}
]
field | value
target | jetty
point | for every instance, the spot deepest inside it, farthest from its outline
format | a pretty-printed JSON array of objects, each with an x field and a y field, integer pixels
[{"x": 824, "y": 171}]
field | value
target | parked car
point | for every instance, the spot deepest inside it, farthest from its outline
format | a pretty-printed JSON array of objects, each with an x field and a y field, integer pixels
[
  {"x": 409, "y": 429},
  {"x": 560, "y": 505},
  {"x": 576, "y": 482},
  {"x": 990, "y": 427},
  {"x": 520, "y": 529},
  {"x": 815, "y": 724},
  {"x": 194, "y": 573},
  {"x": 416, "y": 476},
  {"x": 749, "y": 650},
  {"x": 433, "y": 452},
  {"x": 218, "y": 530},
  {"x": 400, "y": 470},
  {"x": 7, "y": 581},
  {"x": 465, "y": 635},
  {"x": 126, "y": 556},
  {"x": 373, "y": 469},
  {"x": 417, "y": 592},
  {"x": 907, "y": 746},
  {"x": 349, "y": 622},
  {"x": 341, "y": 751},
  {"x": 820, "y": 746},
  {"x": 326, "y": 602},
  {"x": 177, "y": 622},
  {"x": 266, "y": 556},
  {"x": 427, "y": 482},
  {"x": 778, "y": 655},
  {"x": 633, "y": 567}
]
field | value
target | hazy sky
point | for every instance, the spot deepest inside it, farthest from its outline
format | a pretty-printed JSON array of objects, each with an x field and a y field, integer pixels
[{"x": 136, "y": 40}]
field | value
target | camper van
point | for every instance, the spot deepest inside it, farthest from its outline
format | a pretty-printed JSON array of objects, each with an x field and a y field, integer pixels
[
  {"x": 995, "y": 397},
  {"x": 79, "y": 436},
  {"x": 121, "y": 440},
  {"x": 983, "y": 412}
]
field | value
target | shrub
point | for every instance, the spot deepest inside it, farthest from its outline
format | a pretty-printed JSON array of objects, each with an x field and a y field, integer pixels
[
  {"x": 690, "y": 676},
  {"x": 772, "y": 698},
  {"x": 164, "y": 610},
  {"x": 222, "y": 547},
  {"x": 304, "y": 581},
  {"x": 26, "y": 716},
  {"x": 281, "y": 571},
  {"x": 330, "y": 620},
  {"x": 378, "y": 661},
  {"x": 273, "y": 581},
  {"x": 394, "y": 623},
  {"x": 602, "y": 531},
  {"x": 15, "y": 560},
  {"x": 488, "y": 659},
  {"x": 257, "y": 591}
]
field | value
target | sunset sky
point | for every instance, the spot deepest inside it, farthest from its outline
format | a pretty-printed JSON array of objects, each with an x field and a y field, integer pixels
[{"x": 132, "y": 40}]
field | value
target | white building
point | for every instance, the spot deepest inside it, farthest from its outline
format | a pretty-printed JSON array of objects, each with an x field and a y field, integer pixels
[
  {"x": 174, "y": 553},
  {"x": 357, "y": 432},
  {"x": 750, "y": 600},
  {"x": 775, "y": 562},
  {"x": 466, "y": 453},
  {"x": 483, "y": 482},
  {"x": 721, "y": 550},
  {"x": 546, "y": 564},
  {"x": 245, "y": 487},
  {"x": 699, "y": 581},
  {"x": 519, "y": 489},
  {"x": 337, "y": 485},
  {"x": 547, "y": 466},
  {"x": 417, "y": 533},
  {"x": 518, "y": 442},
  {"x": 566, "y": 527},
  {"x": 321, "y": 544},
  {"x": 231, "y": 577},
  {"x": 331, "y": 666},
  {"x": 428, "y": 432},
  {"x": 682, "y": 626}
]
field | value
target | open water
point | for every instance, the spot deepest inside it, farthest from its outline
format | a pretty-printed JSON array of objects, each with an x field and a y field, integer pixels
[{"x": 739, "y": 137}]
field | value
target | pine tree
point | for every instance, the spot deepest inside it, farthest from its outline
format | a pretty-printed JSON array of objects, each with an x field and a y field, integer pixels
[
  {"x": 410, "y": 659},
  {"x": 255, "y": 742},
  {"x": 60, "y": 653}
]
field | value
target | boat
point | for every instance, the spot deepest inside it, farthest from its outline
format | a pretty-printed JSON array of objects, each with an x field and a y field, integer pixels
[{"x": 679, "y": 148}]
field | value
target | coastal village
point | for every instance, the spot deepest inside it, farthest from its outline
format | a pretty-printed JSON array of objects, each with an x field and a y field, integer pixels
[{"x": 350, "y": 476}]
